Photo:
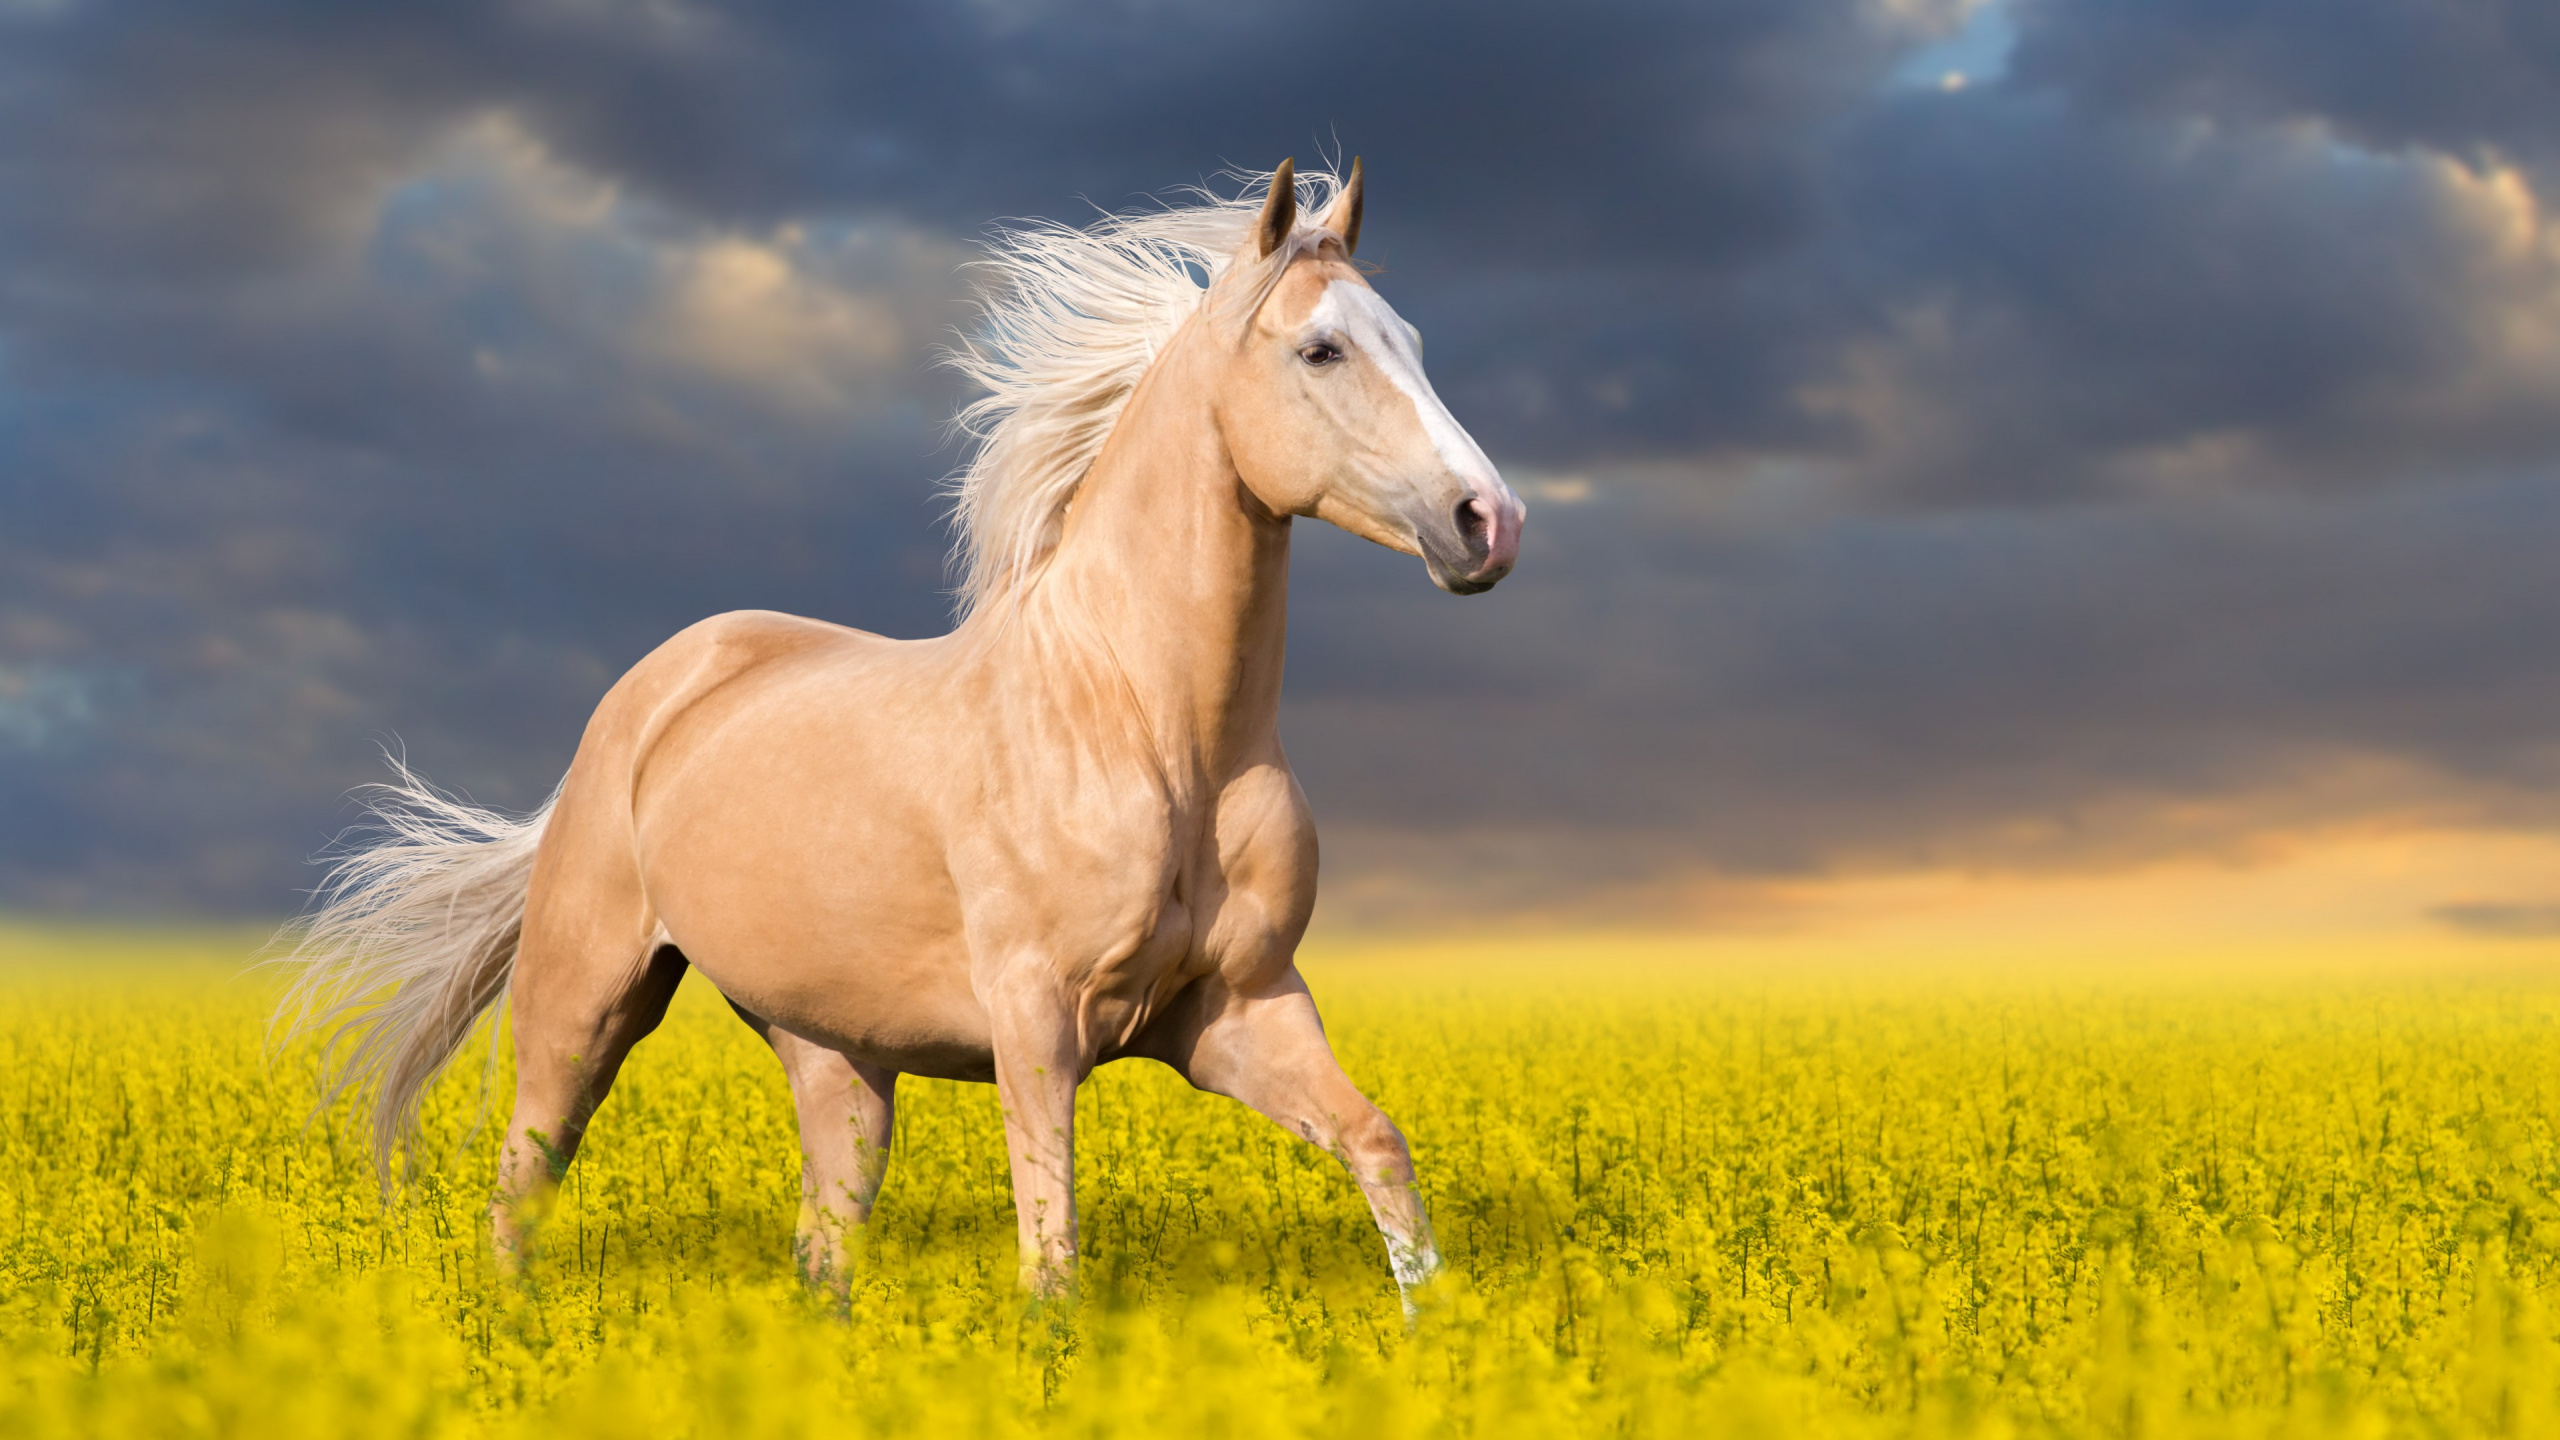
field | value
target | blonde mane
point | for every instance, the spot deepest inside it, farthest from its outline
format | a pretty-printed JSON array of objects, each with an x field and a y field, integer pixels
[{"x": 1072, "y": 318}]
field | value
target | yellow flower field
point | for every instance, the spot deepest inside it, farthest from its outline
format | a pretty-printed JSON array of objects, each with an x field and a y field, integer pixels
[{"x": 1673, "y": 1202}]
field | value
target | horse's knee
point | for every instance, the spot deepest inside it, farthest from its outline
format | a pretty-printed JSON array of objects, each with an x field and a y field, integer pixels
[{"x": 1373, "y": 1147}]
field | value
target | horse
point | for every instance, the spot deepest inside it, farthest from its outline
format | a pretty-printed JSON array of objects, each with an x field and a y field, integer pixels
[{"x": 1063, "y": 833}]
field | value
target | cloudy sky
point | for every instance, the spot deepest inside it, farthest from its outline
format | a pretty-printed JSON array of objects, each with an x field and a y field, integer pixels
[{"x": 2025, "y": 442}]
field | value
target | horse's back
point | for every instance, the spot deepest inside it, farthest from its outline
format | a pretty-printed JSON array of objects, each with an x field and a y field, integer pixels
[{"x": 708, "y": 654}]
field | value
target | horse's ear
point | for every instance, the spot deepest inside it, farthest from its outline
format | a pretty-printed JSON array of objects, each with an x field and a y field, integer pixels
[
  {"x": 1343, "y": 217},
  {"x": 1280, "y": 209}
]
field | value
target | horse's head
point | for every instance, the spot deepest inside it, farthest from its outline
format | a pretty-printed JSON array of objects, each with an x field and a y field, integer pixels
[{"x": 1327, "y": 413}]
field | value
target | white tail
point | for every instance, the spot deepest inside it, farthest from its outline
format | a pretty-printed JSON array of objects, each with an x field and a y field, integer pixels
[{"x": 413, "y": 940}]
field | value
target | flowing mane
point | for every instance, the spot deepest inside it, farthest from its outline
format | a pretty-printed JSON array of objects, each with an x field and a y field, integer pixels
[{"x": 1072, "y": 318}]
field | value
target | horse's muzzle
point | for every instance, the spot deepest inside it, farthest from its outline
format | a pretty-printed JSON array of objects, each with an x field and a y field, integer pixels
[{"x": 1479, "y": 547}]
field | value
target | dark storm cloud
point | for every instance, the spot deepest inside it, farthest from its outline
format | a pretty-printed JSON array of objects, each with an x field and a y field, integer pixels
[
  {"x": 245, "y": 122},
  {"x": 2457, "y": 76},
  {"x": 2153, "y": 447},
  {"x": 2077, "y": 302}
]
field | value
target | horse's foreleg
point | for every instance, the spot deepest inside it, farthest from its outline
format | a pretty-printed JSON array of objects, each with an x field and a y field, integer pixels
[
  {"x": 846, "y": 1112},
  {"x": 1269, "y": 1051},
  {"x": 1037, "y": 1067},
  {"x": 574, "y": 1024}
]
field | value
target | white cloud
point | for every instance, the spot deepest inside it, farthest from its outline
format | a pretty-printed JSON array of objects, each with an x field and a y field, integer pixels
[{"x": 553, "y": 273}]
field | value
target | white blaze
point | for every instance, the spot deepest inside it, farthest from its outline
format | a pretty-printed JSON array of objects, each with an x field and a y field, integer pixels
[{"x": 1363, "y": 318}]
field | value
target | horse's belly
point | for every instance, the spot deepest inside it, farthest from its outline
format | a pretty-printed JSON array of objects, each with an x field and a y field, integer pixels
[{"x": 911, "y": 1013}]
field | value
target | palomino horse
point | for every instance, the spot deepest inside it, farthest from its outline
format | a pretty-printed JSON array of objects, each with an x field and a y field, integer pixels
[{"x": 1062, "y": 834}]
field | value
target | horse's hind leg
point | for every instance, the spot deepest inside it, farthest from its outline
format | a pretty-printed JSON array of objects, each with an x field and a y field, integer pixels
[
  {"x": 846, "y": 1110},
  {"x": 1269, "y": 1051},
  {"x": 578, "y": 1007}
]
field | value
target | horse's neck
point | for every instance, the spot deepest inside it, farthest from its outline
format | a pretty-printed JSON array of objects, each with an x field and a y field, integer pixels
[{"x": 1169, "y": 574}]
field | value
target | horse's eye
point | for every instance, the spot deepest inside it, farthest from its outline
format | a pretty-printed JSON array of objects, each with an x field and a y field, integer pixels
[{"x": 1319, "y": 354}]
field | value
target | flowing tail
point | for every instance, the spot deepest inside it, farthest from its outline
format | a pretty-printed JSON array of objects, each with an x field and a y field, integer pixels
[{"x": 412, "y": 941}]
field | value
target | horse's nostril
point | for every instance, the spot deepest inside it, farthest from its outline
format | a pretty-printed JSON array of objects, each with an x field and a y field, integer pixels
[{"x": 1475, "y": 527}]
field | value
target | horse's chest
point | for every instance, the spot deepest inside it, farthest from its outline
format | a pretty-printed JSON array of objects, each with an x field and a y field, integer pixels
[{"x": 1232, "y": 903}]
